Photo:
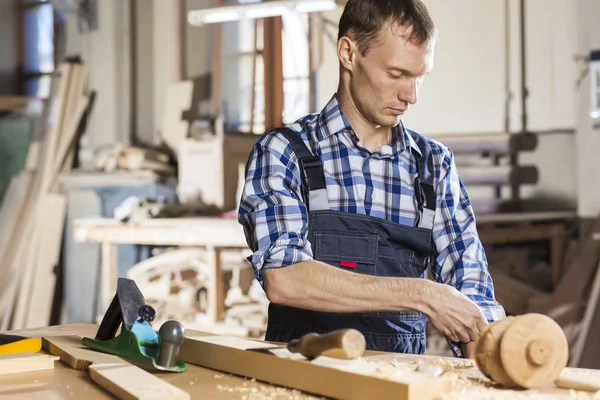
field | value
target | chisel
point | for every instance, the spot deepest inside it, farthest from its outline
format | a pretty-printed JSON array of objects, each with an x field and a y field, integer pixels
[{"x": 346, "y": 344}]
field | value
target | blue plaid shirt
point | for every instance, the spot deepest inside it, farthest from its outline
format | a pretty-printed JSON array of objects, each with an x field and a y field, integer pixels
[{"x": 379, "y": 184}]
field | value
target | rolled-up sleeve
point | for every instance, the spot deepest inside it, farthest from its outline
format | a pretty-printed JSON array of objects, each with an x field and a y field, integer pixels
[
  {"x": 460, "y": 257},
  {"x": 272, "y": 213}
]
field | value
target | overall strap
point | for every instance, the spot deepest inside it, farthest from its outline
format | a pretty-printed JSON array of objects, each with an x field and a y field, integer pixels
[
  {"x": 424, "y": 183},
  {"x": 314, "y": 192}
]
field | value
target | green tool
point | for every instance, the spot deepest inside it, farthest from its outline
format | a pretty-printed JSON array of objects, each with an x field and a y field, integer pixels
[{"x": 137, "y": 342}]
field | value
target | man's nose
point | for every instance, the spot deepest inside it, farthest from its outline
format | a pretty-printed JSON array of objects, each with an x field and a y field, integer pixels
[{"x": 409, "y": 93}]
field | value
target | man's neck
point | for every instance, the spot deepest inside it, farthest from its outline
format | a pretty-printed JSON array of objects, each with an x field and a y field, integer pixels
[{"x": 370, "y": 135}]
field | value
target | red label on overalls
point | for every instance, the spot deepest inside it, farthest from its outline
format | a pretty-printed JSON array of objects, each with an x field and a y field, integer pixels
[{"x": 348, "y": 264}]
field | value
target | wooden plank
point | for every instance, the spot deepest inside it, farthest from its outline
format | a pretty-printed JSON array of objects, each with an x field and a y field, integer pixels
[
  {"x": 25, "y": 362},
  {"x": 51, "y": 218},
  {"x": 10, "y": 216},
  {"x": 489, "y": 142},
  {"x": 512, "y": 293},
  {"x": 45, "y": 225},
  {"x": 273, "y": 72},
  {"x": 74, "y": 354},
  {"x": 499, "y": 175},
  {"x": 577, "y": 279},
  {"x": 9, "y": 103},
  {"x": 163, "y": 231},
  {"x": 117, "y": 376},
  {"x": 323, "y": 376},
  {"x": 586, "y": 349},
  {"x": 518, "y": 234},
  {"x": 21, "y": 241},
  {"x": 521, "y": 217},
  {"x": 128, "y": 382},
  {"x": 19, "y": 303}
]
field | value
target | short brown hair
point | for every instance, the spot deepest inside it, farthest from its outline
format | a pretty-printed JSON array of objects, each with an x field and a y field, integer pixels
[{"x": 363, "y": 19}]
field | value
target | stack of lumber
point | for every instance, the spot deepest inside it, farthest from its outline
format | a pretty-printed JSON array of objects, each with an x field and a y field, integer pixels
[
  {"x": 489, "y": 160},
  {"x": 33, "y": 212}
]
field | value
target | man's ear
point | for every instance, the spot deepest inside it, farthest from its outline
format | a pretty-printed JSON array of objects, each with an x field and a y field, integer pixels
[{"x": 346, "y": 49}]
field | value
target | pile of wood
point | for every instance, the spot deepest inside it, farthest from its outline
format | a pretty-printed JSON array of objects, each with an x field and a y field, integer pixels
[
  {"x": 489, "y": 160},
  {"x": 33, "y": 212}
]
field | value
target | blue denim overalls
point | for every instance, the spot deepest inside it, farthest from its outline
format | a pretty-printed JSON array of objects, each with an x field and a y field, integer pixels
[{"x": 364, "y": 245}]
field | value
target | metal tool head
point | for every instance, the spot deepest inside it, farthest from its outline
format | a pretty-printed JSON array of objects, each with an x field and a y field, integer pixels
[{"x": 126, "y": 308}]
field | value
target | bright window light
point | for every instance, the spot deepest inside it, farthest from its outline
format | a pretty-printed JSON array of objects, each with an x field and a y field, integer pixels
[{"x": 257, "y": 10}]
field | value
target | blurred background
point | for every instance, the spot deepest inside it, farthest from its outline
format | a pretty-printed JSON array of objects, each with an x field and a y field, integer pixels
[{"x": 125, "y": 126}]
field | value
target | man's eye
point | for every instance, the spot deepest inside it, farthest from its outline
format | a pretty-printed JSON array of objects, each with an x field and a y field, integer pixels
[{"x": 393, "y": 76}]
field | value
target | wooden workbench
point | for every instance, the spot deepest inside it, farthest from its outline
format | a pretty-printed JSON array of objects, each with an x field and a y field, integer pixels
[
  {"x": 201, "y": 383},
  {"x": 212, "y": 233}
]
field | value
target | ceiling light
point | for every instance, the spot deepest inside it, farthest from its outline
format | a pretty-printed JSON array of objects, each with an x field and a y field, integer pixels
[
  {"x": 257, "y": 10},
  {"x": 314, "y": 6}
]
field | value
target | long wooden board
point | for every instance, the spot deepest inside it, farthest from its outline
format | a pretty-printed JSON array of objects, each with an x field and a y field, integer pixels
[
  {"x": 325, "y": 376},
  {"x": 115, "y": 375},
  {"x": 25, "y": 362}
]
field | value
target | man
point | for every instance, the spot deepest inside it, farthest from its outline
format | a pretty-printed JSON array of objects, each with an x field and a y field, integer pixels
[{"x": 345, "y": 210}]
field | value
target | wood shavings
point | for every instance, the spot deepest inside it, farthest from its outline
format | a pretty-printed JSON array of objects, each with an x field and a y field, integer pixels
[
  {"x": 253, "y": 390},
  {"x": 455, "y": 364}
]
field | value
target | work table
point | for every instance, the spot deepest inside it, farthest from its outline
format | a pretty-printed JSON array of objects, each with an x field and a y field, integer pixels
[{"x": 201, "y": 383}]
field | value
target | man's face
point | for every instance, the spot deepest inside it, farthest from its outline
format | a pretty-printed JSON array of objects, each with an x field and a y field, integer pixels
[{"x": 385, "y": 82}]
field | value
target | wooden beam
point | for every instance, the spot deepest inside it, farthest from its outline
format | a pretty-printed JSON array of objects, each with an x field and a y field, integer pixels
[
  {"x": 499, "y": 175},
  {"x": 488, "y": 142},
  {"x": 273, "y": 69},
  {"x": 324, "y": 376}
]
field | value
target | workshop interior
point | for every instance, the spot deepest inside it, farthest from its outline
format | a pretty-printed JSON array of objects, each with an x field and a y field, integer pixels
[{"x": 126, "y": 128}]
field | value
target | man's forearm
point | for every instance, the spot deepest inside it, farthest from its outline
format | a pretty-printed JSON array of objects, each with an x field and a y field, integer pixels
[{"x": 314, "y": 285}]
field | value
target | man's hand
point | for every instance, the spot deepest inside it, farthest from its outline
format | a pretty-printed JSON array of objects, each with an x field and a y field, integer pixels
[
  {"x": 469, "y": 349},
  {"x": 454, "y": 314}
]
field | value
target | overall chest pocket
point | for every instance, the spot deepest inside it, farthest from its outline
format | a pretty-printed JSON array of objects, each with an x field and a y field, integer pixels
[{"x": 353, "y": 252}]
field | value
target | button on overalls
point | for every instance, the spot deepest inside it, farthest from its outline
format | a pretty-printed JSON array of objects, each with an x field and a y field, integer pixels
[{"x": 364, "y": 245}]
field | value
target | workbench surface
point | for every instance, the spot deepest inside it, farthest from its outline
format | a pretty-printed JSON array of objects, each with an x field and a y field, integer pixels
[{"x": 65, "y": 383}]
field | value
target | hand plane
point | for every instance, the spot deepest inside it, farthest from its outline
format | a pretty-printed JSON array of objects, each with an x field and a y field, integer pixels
[{"x": 138, "y": 342}]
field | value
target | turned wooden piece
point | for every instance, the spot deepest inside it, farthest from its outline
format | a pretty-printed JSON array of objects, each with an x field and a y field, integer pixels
[
  {"x": 525, "y": 351},
  {"x": 345, "y": 344}
]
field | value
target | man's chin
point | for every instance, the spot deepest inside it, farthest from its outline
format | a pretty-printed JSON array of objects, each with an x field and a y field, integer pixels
[{"x": 389, "y": 122}]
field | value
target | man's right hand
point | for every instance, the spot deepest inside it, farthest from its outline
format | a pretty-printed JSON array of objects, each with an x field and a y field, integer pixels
[{"x": 454, "y": 314}]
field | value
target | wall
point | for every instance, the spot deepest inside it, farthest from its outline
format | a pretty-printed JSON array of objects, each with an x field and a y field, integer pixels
[
  {"x": 9, "y": 47},
  {"x": 467, "y": 90},
  {"x": 588, "y": 130}
]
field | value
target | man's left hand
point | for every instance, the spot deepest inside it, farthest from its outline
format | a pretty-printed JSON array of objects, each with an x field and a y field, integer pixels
[{"x": 469, "y": 349}]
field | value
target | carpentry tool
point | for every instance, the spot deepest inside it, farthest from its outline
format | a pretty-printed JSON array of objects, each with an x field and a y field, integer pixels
[
  {"x": 138, "y": 343},
  {"x": 525, "y": 351},
  {"x": 12, "y": 344},
  {"x": 345, "y": 344}
]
